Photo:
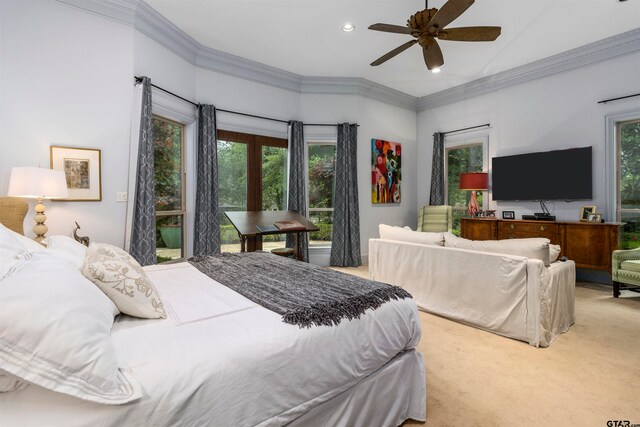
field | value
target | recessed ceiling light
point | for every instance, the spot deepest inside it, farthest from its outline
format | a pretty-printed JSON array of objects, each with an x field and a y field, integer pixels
[
  {"x": 348, "y": 27},
  {"x": 435, "y": 70}
]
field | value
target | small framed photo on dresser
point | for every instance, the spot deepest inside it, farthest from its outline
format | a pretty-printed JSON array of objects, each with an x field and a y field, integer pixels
[
  {"x": 586, "y": 211},
  {"x": 508, "y": 215}
]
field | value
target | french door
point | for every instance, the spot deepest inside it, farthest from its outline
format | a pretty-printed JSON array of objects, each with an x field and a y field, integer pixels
[{"x": 252, "y": 176}]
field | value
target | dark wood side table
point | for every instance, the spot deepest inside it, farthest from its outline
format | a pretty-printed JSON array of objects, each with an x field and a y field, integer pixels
[
  {"x": 246, "y": 224},
  {"x": 589, "y": 244}
]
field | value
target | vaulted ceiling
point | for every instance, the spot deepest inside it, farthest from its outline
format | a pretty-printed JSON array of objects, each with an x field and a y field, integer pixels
[{"x": 305, "y": 36}]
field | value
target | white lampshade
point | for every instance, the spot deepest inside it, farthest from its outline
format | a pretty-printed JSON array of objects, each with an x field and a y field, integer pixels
[{"x": 37, "y": 183}]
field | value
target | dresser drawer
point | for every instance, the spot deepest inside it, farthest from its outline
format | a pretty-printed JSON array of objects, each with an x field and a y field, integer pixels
[{"x": 520, "y": 230}]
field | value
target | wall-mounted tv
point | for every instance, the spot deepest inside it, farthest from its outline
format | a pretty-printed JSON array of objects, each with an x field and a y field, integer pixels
[{"x": 548, "y": 175}]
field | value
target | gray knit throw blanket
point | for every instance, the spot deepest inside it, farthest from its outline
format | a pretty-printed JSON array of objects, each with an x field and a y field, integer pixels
[{"x": 304, "y": 294}]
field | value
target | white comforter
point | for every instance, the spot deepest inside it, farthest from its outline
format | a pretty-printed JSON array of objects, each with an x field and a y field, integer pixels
[{"x": 236, "y": 364}]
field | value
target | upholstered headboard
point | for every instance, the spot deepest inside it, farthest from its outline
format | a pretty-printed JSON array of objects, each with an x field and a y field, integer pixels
[{"x": 12, "y": 213}]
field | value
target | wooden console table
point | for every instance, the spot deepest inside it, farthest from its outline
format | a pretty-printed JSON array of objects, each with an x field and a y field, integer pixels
[{"x": 588, "y": 244}]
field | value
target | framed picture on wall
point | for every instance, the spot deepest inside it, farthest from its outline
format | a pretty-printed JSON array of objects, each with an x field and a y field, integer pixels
[
  {"x": 386, "y": 171},
  {"x": 82, "y": 170},
  {"x": 585, "y": 211}
]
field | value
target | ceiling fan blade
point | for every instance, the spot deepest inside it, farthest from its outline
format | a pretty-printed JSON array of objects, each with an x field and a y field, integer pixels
[
  {"x": 387, "y": 56},
  {"x": 388, "y": 28},
  {"x": 432, "y": 55},
  {"x": 449, "y": 12},
  {"x": 470, "y": 34}
]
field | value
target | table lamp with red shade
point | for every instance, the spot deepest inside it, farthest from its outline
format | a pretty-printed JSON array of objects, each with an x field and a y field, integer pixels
[{"x": 474, "y": 181}]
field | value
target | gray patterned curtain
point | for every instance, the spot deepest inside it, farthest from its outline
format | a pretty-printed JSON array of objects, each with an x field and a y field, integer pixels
[
  {"x": 143, "y": 230},
  {"x": 297, "y": 192},
  {"x": 345, "y": 244},
  {"x": 206, "y": 236},
  {"x": 437, "y": 170}
]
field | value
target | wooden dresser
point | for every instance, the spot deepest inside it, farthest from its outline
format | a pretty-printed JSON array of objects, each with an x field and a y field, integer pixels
[{"x": 588, "y": 244}]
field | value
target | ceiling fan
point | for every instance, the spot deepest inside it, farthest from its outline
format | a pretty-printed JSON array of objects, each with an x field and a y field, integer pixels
[{"x": 427, "y": 25}]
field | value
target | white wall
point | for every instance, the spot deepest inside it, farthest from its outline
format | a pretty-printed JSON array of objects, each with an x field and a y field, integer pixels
[
  {"x": 555, "y": 112},
  {"x": 66, "y": 79}
]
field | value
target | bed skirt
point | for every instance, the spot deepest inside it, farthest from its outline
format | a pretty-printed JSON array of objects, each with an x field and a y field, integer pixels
[{"x": 388, "y": 397}]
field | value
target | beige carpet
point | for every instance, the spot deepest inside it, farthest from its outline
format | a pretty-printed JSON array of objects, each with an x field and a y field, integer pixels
[{"x": 589, "y": 375}]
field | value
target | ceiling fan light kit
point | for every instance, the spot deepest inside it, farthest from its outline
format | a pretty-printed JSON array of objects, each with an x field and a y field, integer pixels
[{"x": 428, "y": 25}]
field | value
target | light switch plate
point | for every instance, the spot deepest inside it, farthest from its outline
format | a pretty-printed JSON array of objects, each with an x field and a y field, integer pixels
[{"x": 121, "y": 196}]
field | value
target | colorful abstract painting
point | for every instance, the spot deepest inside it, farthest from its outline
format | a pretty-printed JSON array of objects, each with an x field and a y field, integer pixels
[{"x": 385, "y": 171}]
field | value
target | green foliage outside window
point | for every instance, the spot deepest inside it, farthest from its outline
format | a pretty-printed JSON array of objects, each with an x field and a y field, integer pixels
[
  {"x": 461, "y": 160},
  {"x": 167, "y": 156},
  {"x": 630, "y": 183}
]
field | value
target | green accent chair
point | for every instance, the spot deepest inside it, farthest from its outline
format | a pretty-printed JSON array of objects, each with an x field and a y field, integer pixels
[
  {"x": 625, "y": 269},
  {"x": 435, "y": 219}
]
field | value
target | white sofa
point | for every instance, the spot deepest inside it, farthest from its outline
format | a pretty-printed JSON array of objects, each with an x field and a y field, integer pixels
[{"x": 512, "y": 295}]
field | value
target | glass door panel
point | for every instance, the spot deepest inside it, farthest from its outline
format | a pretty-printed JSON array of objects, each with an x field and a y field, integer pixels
[
  {"x": 232, "y": 185},
  {"x": 274, "y": 189}
]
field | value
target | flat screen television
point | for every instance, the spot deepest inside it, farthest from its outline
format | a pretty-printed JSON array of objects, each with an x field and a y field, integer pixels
[{"x": 548, "y": 175}]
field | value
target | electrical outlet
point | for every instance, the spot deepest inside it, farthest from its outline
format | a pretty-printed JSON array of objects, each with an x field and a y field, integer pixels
[{"x": 121, "y": 196}]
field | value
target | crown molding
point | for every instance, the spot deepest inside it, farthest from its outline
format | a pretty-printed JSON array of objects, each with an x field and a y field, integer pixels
[
  {"x": 358, "y": 86},
  {"x": 148, "y": 21},
  {"x": 602, "y": 50}
]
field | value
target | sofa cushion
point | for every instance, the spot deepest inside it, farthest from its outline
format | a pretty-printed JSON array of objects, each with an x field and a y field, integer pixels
[
  {"x": 533, "y": 248},
  {"x": 554, "y": 252},
  {"x": 631, "y": 265},
  {"x": 389, "y": 232}
]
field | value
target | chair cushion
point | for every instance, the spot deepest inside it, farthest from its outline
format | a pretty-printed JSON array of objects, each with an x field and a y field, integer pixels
[{"x": 631, "y": 265}]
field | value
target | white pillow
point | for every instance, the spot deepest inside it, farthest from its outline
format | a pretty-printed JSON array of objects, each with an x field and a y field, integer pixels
[
  {"x": 67, "y": 249},
  {"x": 14, "y": 245},
  {"x": 123, "y": 280},
  {"x": 389, "y": 232},
  {"x": 533, "y": 248},
  {"x": 55, "y": 331},
  {"x": 554, "y": 252}
]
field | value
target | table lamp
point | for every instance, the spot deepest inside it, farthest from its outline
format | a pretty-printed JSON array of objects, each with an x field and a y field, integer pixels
[
  {"x": 38, "y": 183},
  {"x": 474, "y": 181}
]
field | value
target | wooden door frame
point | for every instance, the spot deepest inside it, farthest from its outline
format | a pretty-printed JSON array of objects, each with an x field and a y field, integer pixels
[{"x": 254, "y": 169}]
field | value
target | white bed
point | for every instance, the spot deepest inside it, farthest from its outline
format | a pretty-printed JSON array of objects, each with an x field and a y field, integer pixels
[{"x": 234, "y": 363}]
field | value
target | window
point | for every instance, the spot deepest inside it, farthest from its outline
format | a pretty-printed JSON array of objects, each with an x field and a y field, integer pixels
[
  {"x": 321, "y": 167},
  {"x": 461, "y": 158},
  {"x": 168, "y": 153},
  {"x": 628, "y": 206},
  {"x": 252, "y": 176}
]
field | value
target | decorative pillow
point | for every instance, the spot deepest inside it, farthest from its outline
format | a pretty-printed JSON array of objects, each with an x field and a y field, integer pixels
[
  {"x": 554, "y": 252},
  {"x": 534, "y": 248},
  {"x": 123, "y": 280},
  {"x": 389, "y": 232},
  {"x": 10, "y": 382},
  {"x": 67, "y": 249},
  {"x": 55, "y": 331}
]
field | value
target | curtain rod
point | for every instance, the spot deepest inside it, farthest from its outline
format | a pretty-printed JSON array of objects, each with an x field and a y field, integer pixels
[
  {"x": 472, "y": 127},
  {"x": 139, "y": 79},
  {"x": 615, "y": 99}
]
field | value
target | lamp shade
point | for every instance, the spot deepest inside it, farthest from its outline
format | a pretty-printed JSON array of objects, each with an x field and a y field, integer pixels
[
  {"x": 37, "y": 183},
  {"x": 474, "y": 181}
]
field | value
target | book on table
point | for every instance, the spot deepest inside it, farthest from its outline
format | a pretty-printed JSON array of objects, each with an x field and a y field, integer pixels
[{"x": 289, "y": 225}]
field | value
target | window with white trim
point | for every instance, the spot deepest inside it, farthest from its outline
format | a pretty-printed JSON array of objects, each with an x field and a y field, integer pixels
[
  {"x": 628, "y": 181},
  {"x": 321, "y": 181},
  {"x": 466, "y": 155},
  {"x": 169, "y": 164}
]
